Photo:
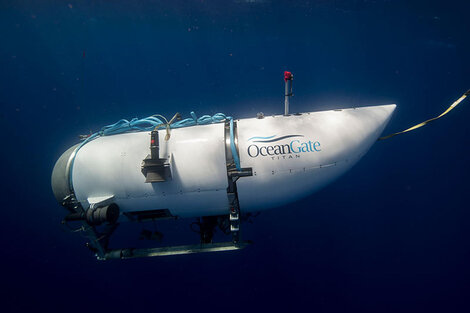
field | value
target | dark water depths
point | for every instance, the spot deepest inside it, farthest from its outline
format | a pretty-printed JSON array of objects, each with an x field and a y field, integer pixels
[{"x": 389, "y": 236}]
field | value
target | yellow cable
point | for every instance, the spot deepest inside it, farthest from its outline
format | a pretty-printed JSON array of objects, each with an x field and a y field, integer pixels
[{"x": 430, "y": 120}]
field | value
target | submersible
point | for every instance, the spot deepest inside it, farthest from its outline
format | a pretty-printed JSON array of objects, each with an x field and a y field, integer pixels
[{"x": 216, "y": 168}]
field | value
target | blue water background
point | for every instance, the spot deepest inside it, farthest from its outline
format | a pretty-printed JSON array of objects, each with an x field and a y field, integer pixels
[{"x": 392, "y": 235}]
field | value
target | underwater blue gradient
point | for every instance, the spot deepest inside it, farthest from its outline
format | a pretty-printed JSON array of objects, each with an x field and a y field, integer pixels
[{"x": 392, "y": 235}]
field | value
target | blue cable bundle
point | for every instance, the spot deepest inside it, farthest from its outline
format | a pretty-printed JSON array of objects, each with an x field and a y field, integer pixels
[
  {"x": 152, "y": 122},
  {"x": 149, "y": 124}
]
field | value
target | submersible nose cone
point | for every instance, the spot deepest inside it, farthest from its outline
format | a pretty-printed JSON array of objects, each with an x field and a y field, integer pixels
[{"x": 60, "y": 176}]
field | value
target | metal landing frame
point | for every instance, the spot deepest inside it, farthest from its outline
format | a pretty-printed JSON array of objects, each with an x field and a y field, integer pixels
[{"x": 173, "y": 250}]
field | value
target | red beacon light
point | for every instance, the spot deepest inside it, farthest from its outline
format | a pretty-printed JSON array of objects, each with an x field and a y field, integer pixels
[{"x": 288, "y": 76}]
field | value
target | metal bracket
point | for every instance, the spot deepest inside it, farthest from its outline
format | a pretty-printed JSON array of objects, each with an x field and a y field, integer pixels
[
  {"x": 154, "y": 168},
  {"x": 100, "y": 201},
  {"x": 233, "y": 174}
]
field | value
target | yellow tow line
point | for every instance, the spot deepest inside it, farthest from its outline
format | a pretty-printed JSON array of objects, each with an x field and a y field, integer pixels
[{"x": 430, "y": 120}]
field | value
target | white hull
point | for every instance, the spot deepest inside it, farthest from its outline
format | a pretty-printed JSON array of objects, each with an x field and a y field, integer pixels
[{"x": 318, "y": 147}]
